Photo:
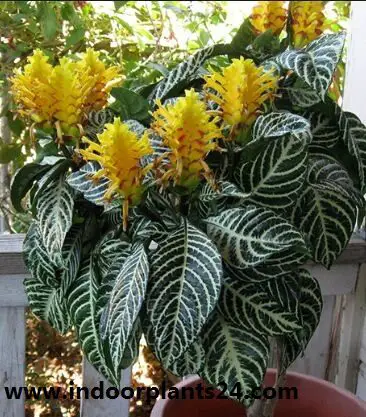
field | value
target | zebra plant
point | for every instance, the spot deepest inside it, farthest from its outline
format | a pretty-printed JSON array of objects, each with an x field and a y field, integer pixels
[{"x": 189, "y": 215}]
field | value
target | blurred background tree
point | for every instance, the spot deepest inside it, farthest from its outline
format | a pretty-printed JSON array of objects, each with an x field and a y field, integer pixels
[{"x": 144, "y": 38}]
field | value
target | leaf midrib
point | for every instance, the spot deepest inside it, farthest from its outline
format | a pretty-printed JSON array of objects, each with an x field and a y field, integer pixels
[{"x": 176, "y": 314}]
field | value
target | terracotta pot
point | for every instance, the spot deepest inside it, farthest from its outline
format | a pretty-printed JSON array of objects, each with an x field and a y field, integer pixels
[{"x": 316, "y": 398}]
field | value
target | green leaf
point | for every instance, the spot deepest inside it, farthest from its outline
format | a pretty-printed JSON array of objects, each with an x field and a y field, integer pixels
[
  {"x": 23, "y": 181},
  {"x": 54, "y": 215},
  {"x": 45, "y": 147},
  {"x": 71, "y": 255},
  {"x": 301, "y": 95},
  {"x": 184, "y": 287},
  {"x": 52, "y": 160},
  {"x": 97, "y": 121},
  {"x": 310, "y": 308},
  {"x": 119, "y": 4},
  {"x": 278, "y": 124},
  {"x": 125, "y": 303},
  {"x": 243, "y": 37},
  {"x": 270, "y": 268},
  {"x": 249, "y": 236},
  {"x": 276, "y": 175},
  {"x": 269, "y": 307},
  {"x": 48, "y": 304},
  {"x": 191, "y": 362},
  {"x": 132, "y": 347},
  {"x": 327, "y": 209},
  {"x": 103, "y": 296},
  {"x": 234, "y": 354},
  {"x": 145, "y": 35},
  {"x": 224, "y": 189},
  {"x": 16, "y": 125},
  {"x": 37, "y": 259},
  {"x": 49, "y": 21},
  {"x": 108, "y": 249},
  {"x": 44, "y": 291},
  {"x": 68, "y": 13},
  {"x": 211, "y": 201},
  {"x": 82, "y": 305},
  {"x": 353, "y": 134},
  {"x": 325, "y": 131},
  {"x": 83, "y": 181},
  {"x": 45, "y": 270},
  {"x": 158, "y": 67},
  {"x": 143, "y": 228},
  {"x": 9, "y": 152},
  {"x": 127, "y": 26},
  {"x": 136, "y": 127},
  {"x": 75, "y": 36},
  {"x": 112, "y": 214},
  {"x": 52, "y": 174},
  {"x": 185, "y": 71},
  {"x": 106, "y": 278},
  {"x": 266, "y": 45},
  {"x": 130, "y": 105},
  {"x": 316, "y": 63},
  {"x": 340, "y": 156}
]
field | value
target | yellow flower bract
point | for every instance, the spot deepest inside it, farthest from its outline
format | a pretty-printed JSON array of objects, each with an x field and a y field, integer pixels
[
  {"x": 240, "y": 91},
  {"x": 308, "y": 21},
  {"x": 64, "y": 93},
  {"x": 191, "y": 133},
  {"x": 30, "y": 88},
  {"x": 269, "y": 15},
  {"x": 103, "y": 79},
  {"x": 119, "y": 152}
]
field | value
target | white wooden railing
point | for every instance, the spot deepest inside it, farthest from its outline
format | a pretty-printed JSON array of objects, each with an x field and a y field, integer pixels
[{"x": 333, "y": 353}]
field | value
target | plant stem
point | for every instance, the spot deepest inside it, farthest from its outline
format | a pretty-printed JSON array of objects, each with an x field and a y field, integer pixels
[
  {"x": 256, "y": 410},
  {"x": 66, "y": 152},
  {"x": 266, "y": 408},
  {"x": 270, "y": 404}
]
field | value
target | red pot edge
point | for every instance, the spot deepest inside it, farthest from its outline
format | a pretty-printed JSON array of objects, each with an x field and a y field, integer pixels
[{"x": 158, "y": 409}]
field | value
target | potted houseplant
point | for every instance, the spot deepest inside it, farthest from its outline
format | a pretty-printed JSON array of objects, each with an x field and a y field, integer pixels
[{"x": 186, "y": 211}]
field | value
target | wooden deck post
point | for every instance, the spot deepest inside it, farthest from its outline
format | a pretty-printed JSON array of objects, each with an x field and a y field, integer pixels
[
  {"x": 12, "y": 343},
  {"x": 118, "y": 407}
]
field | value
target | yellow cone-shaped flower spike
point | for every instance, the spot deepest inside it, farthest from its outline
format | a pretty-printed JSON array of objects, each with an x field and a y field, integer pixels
[
  {"x": 103, "y": 79},
  {"x": 31, "y": 90},
  {"x": 64, "y": 94},
  {"x": 119, "y": 152},
  {"x": 68, "y": 94},
  {"x": 190, "y": 133},
  {"x": 269, "y": 15},
  {"x": 308, "y": 21},
  {"x": 240, "y": 91}
]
